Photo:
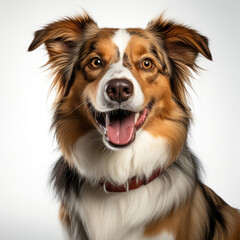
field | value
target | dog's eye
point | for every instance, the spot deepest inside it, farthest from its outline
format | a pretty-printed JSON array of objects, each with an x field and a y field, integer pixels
[
  {"x": 96, "y": 63},
  {"x": 147, "y": 64}
]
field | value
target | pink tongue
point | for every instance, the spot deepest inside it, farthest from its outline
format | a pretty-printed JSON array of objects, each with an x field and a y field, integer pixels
[{"x": 121, "y": 129}]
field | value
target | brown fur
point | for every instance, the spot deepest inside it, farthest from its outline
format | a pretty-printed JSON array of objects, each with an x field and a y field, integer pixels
[
  {"x": 165, "y": 119},
  {"x": 64, "y": 216}
]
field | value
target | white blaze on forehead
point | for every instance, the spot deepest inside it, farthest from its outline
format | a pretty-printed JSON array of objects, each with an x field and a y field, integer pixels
[
  {"x": 121, "y": 39},
  {"x": 117, "y": 71}
]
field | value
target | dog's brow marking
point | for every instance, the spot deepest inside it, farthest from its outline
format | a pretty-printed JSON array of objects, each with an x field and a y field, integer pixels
[{"x": 121, "y": 39}]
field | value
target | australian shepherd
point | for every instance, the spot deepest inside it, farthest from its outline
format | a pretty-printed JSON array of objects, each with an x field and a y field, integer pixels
[{"x": 121, "y": 119}]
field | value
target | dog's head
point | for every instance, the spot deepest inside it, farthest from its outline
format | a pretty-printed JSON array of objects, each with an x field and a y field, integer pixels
[{"x": 121, "y": 93}]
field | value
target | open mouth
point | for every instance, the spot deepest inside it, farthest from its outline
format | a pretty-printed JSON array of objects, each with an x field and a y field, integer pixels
[{"x": 120, "y": 125}]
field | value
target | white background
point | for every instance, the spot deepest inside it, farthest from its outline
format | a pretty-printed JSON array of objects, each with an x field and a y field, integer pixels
[{"x": 28, "y": 209}]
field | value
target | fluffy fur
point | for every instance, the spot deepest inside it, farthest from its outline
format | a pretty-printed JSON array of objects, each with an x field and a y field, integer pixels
[{"x": 157, "y": 63}]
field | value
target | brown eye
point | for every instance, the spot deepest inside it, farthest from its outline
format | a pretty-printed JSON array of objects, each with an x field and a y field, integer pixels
[
  {"x": 147, "y": 64},
  {"x": 96, "y": 63}
]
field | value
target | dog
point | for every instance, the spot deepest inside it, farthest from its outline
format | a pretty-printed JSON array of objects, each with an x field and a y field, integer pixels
[{"x": 121, "y": 119}]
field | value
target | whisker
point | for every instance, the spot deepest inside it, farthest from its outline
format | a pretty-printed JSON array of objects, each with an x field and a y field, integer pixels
[{"x": 84, "y": 103}]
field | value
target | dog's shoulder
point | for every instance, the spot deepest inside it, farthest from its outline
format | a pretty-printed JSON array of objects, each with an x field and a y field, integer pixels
[{"x": 204, "y": 216}]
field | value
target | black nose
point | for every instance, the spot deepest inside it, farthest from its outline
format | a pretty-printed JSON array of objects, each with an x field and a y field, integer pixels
[{"x": 119, "y": 90}]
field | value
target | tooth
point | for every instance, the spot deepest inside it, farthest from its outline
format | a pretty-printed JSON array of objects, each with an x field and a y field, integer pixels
[
  {"x": 107, "y": 119},
  {"x": 104, "y": 130},
  {"x": 136, "y": 116}
]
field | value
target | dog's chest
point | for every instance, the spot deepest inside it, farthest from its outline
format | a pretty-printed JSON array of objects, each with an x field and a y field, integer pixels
[
  {"x": 108, "y": 216},
  {"x": 119, "y": 216}
]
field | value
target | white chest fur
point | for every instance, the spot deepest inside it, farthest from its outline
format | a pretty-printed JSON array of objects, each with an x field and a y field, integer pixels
[{"x": 123, "y": 216}]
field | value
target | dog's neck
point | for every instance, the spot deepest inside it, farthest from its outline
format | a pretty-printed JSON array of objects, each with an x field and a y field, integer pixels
[{"x": 133, "y": 183}]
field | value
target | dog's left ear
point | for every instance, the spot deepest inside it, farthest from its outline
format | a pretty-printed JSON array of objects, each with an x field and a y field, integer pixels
[{"x": 182, "y": 45}]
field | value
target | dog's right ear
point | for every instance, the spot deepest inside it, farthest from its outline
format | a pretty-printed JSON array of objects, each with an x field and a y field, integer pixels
[
  {"x": 62, "y": 40},
  {"x": 62, "y": 34}
]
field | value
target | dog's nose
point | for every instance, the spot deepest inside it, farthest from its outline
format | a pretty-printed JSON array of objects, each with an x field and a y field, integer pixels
[{"x": 119, "y": 90}]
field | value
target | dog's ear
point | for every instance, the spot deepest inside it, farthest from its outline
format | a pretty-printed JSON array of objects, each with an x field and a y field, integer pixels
[
  {"x": 182, "y": 45},
  {"x": 62, "y": 39},
  {"x": 62, "y": 35}
]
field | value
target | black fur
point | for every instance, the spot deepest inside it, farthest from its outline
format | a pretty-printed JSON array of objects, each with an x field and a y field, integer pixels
[
  {"x": 66, "y": 179},
  {"x": 215, "y": 217}
]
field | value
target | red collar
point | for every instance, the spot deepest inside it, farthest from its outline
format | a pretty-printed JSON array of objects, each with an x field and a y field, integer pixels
[{"x": 133, "y": 183}]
